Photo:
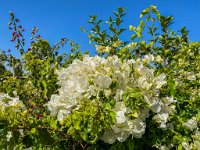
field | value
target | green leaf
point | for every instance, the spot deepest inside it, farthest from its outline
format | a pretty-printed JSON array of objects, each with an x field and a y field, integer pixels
[
  {"x": 92, "y": 147},
  {"x": 33, "y": 131},
  {"x": 21, "y": 51},
  {"x": 116, "y": 13},
  {"x": 118, "y": 21},
  {"x": 121, "y": 9},
  {"x": 77, "y": 125},
  {"x": 172, "y": 86},
  {"x": 84, "y": 136},
  {"x": 132, "y": 28},
  {"x": 144, "y": 12},
  {"x": 120, "y": 31},
  {"x": 180, "y": 147},
  {"x": 131, "y": 145},
  {"x": 133, "y": 37},
  {"x": 44, "y": 83},
  {"x": 139, "y": 29},
  {"x": 153, "y": 7},
  {"x": 53, "y": 124},
  {"x": 71, "y": 131}
]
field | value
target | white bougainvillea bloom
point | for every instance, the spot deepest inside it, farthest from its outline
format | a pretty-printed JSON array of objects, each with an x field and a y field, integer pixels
[
  {"x": 164, "y": 147},
  {"x": 196, "y": 140},
  {"x": 148, "y": 58},
  {"x": 197, "y": 145},
  {"x": 159, "y": 59},
  {"x": 109, "y": 136},
  {"x": 6, "y": 101},
  {"x": 138, "y": 128},
  {"x": 191, "y": 124},
  {"x": 120, "y": 110},
  {"x": 94, "y": 77},
  {"x": 161, "y": 118},
  {"x": 164, "y": 108},
  {"x": 124, "y": 126},
  {"x": 159, "y": 81},
  {"x": 186, "y": 145},
  {"x": 191, "y": 76},
  {"x": 9, "y": 136},
  {"x": 102, "y": 82}
]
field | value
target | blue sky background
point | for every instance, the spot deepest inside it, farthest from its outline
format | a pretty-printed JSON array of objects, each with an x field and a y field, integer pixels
[{"x": 63, "y": 18}]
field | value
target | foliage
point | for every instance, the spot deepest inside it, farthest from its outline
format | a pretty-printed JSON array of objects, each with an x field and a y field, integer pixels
[{"x": 137, "y": 94}]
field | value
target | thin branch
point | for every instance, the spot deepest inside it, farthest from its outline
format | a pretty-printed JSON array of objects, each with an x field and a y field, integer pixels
[{"x": 6, "y": 78}]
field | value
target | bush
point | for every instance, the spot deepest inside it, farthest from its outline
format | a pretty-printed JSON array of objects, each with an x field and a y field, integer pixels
[{"x": 137, "y": 94}]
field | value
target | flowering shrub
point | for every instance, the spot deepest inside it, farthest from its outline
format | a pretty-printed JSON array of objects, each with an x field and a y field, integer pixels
[
  {"x": 7, "y": 101},
  {"x": 128, "y": 89},
  {"x": 139, "y": 94}
]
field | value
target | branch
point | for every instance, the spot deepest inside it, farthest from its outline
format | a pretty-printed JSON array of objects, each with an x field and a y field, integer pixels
[{"x": 6, "y": 78}]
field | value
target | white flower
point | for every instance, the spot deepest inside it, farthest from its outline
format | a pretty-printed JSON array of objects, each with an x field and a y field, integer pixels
[
  {"x": 157, "y": 107},
  {"x": 12, "y": 101},
  {"x": 159, "y": 81},
  {"x": 161, "y": 147},
  {"x": 107, "y": 49},
  {"x": 166, "y": 105},
  {"x": 107, "y": 92},
  {"x": 138, "y": 128},
  {"x": 196, "y": 136},
  {"x": 120, "y": 110},
  {"x": 122, "y": 136},
  {"x": 62, "y": 114},
  {"x": 186, "y": 146},
  {"x": 109, "y": 136},
  {"x": 164, "y": 108},
  {"x": 102, "y": 82},
  {"x": 124, "y": 126},
  {"x": 159, "y": 59},
  {"x": 143, "y": 83},
  {"x": 21, "y": 131},
  {"x": 92, "y": 91},
  {"x": 162, "y": 119},
  {"x": 164, "y": 148},
  {"x": 191, "y": 77},
  {"x": 168, "y": 100},
  {"x": 149, "y": 57},
  {"x": 191, "y": 124},
  {"x": 197, "y": 145},
  {"x": 118, "y": 95},
  {"x": 120, "y": 116},
  {"x": 151, "y": 100},
  {"x": 8, "y": 135},
  {"x": 168, "y": 109},
  {"x": 132, "y": 45}
]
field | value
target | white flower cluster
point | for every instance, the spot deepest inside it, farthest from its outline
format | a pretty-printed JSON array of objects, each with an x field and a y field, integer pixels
[
  {"x": 192, "y": 124},
  {"x": 89, "y": 78},
  {"x": 6, "y": 101},
  {"x": 187, "y": 144},
  {"x": 9, "y": 135},
  {"x": 164, "y": 108},
  {"x": 124, "y": 126},
  {"x": 195, "y": 145}
]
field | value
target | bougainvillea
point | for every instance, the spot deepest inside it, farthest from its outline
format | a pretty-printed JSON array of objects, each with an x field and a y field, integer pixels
[
  {"x": 137, "y": 94},
  {"x": 106, "y": 81}
]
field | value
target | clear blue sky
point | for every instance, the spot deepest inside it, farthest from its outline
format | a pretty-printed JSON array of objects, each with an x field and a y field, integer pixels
[{"x": 63, "y": 18}]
